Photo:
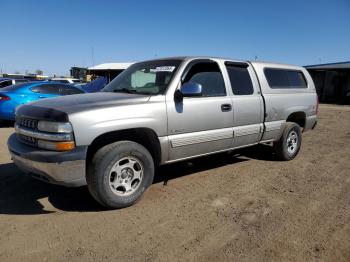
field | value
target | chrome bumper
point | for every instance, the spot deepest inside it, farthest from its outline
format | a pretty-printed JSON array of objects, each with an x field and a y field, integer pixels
[
  {"x": 68, "y": 173},
  {"x": 63, "y": 168}
]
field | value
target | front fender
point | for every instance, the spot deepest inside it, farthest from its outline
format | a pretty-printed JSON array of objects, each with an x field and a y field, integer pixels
[{"x": 88, "y": 125}]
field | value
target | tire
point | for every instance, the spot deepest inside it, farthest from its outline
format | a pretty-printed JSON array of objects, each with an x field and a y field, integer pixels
[
  {"x": 287, "y": 147},
  {"x": 120, "y": 173}
]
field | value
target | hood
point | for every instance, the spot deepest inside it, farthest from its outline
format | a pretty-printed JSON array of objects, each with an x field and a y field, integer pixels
[
  {"x": 65, "y": 105},
  {"x": 81, "y": 102}
]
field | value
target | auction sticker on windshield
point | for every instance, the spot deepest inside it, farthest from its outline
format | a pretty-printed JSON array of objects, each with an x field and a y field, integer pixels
[{"x": 163, "y": 69}]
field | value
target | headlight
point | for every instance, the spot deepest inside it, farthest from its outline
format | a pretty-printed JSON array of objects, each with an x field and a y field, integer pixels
[
  {"x": 61, "y": 141},
  {"x": 56, "y": 146},
  {"x": 55, "y": 127}
]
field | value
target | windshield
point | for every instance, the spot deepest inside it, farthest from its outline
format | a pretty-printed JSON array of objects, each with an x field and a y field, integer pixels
[{"x": 149, "y": 78}]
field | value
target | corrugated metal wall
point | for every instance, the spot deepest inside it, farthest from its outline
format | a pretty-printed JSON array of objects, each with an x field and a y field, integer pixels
[{"x": 332, "y": 86}]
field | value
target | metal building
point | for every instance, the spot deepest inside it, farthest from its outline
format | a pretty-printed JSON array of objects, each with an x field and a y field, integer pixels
[
  {"x": 332, "y": 82},
  {"x": 108, "y": 70},
  {"x": 78, "y": 72}
]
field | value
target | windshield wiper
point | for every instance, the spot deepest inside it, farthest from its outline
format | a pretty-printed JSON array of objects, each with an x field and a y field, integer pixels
[
  {"x": 125, "y": 90},
  {"x": 131, "y": 91}
]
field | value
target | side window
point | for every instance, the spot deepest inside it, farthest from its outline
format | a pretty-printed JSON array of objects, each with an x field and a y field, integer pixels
[
  {"x": 5, "y": 83},
  {"x": 241, "y": 82},
  {"x": 296, "y": 79},
  {"x": 208, "y": 75},
  {"x": 21, "y": 81},
  {"x": 38, "y": 89},
  {"x": 46, "y": 89},
  {"x": 69, "y": 90},
  {"x": 283, "y": 78}
]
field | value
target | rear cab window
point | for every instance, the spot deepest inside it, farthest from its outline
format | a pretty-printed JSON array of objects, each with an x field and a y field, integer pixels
[
  {"x": 285, "y": 78},
  {"x": 240, "y": 80}
]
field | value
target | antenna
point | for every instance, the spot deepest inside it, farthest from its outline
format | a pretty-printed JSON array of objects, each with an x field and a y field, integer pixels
[{"x": 92, "y": 56}]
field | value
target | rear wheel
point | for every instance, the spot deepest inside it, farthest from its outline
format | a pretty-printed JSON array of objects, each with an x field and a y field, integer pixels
[
  {"x": 120, "y": 173},
  {"x": 289, "y": 144}
]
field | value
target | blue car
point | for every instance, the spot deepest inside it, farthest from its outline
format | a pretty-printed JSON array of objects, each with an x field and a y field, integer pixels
[{"x": 15, "y": 95}]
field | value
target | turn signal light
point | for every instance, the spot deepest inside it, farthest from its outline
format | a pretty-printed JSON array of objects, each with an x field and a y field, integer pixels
[
  {"x": 65, "y": 146},
  {"x": 56, "y": 146}
]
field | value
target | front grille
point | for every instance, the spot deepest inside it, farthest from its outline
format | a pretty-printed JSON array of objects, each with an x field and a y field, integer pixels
[
  {"x": 27, "y": 122},
  {"x": 28, "y": 140}
]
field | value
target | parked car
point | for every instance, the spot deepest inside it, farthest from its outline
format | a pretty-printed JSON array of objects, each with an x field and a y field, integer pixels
[
  {"x": 159, "y": 112},
  {"x": 15, "y": 95},
  {"x": 65, "y": 80},
  {"x": 9, "y": 81}
]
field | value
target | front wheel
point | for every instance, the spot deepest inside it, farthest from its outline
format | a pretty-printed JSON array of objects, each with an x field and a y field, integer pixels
[
  {"x": 120, "y": 173},
  {"x": 289, "y": 144}
]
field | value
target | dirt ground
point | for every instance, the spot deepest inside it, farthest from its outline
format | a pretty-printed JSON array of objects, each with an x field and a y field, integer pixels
[{"x": 244, "y": 206}]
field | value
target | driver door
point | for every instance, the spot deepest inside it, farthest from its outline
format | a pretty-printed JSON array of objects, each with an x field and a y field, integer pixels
[{"x": 204, "y": 124}]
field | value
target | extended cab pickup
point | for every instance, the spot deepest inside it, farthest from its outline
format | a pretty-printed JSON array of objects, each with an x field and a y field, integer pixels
[{"x": 158, "y": 112}]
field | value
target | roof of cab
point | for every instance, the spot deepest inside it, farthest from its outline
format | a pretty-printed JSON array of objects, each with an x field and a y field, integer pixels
[
  {"x": 273, "y": 64},
  {"x": 254, "y": 62}
]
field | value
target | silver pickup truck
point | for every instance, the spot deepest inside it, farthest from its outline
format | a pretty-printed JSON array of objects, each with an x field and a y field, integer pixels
[{"x": 159, "y": 112}]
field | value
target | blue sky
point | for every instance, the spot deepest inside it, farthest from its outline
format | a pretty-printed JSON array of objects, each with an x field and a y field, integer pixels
[{"x": 55, "y": 35}]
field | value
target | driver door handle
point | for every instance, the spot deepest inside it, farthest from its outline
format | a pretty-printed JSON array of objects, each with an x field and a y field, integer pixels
[{"x": 226, "y": 107}]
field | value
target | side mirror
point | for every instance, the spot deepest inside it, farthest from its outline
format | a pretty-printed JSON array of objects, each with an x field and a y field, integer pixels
[{"x": 189, "y": 89}]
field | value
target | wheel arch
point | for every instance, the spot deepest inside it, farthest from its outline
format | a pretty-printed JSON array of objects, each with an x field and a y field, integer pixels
[
  {"x": 298, "y": 117},
  {"x": 144, "y": 136}
]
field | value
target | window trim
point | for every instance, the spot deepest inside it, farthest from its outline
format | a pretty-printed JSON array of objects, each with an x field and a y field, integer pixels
[
  {"x": 237, "y": 64},
  {"x": 188, "y": 68},
  {"x": 288, "y": 70}
]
